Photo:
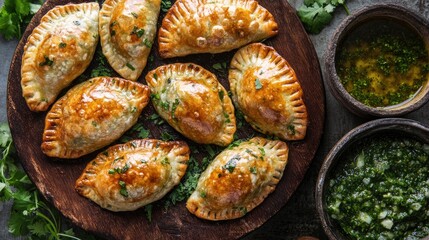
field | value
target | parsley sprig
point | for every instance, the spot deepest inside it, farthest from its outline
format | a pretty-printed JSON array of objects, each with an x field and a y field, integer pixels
[
  {"x": 30, "y": 215},
  {"x": 15, "y": 16},
  {"x": 316, "y": 14}
]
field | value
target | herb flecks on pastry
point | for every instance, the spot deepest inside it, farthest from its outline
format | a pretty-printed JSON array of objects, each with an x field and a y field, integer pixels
[
  {"x": 58, "y": 50},
  {"x": 193, "y": 102},
  {"x": 127, "y": 32},
  {"x": 128, "y": 176},
  {"x": 266, "y": 89},
  {"x": 92, "y": 115},
  {"x": 213, "y": 26},
  {"x": 239, "y": 179}
]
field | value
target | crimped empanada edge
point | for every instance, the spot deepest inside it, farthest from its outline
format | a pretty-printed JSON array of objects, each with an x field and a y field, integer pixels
[{"x": 30, "y": 50}]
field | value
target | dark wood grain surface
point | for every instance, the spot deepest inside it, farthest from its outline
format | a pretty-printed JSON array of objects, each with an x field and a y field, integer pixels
[{"x": 55, "y": 178}]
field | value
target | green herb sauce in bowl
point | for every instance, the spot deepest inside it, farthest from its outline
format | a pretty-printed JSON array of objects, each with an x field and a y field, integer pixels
[
  {"x": 382, "y": 63},
  {"x": 383, "y": 189},
  {"x": 374, "y": 183},
  {"x": 377, "y": 61}
]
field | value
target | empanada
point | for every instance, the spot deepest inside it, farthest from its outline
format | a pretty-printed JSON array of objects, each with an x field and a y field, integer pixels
[
  {"x": 128, "y": 176},
  {"x": 265, "y": 88},
  {"x": 213, "y": 26},
  {"x": 239, "y": 179},
  {"x": 127, "y": 31},
  {"x": 58, "y": 50},
  {"x": 92, "y": 115},
  {"x": 193, "y": 102}
]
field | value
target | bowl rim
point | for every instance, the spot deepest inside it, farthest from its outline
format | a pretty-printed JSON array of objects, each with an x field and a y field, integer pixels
[
  {"x": 364, "y": 130},
  {"x": 411, "y": 19}
]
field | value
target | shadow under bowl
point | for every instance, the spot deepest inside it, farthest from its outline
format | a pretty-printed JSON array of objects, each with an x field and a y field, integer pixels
[
  {"x": 386, "y": 12},
  {"x": 333, "y": 161}
]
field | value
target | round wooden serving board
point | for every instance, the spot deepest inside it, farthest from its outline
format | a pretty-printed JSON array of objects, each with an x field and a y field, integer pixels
[{"x": 55, "y": 178}]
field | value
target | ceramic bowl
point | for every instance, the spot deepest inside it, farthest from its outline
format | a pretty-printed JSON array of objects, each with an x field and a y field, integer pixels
[
  {"x": 397, "y": 14},
  {"x": 404, "y": 127}
]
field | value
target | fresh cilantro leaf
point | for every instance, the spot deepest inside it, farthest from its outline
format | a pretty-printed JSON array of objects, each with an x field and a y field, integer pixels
[
  {"x": 329, "y": 8},
  {"x": 30, "y": 214},
  {"x": 22, "y": 7},
  {"x": 5, "y": 136},
  {"x": 316, "y": 14},
  {"x": 38, "y": 228},
  {"x": 165, "y": 5},
  {"x": 14, "y": 17},
  {"x": 314, "y": 17}
]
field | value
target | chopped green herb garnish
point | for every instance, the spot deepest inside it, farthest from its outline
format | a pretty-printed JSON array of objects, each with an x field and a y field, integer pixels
[
  {"x": 291, "y": 129},
  {"x": 220, "y": 66},
  {"x": 148, "y": 212},
  {"x": 165, "y": 136},
  {"x": 165, "y": 161},
  {"x": 231, "y": 164},
  {"x": 221, "y": 94},
  {"x": 138, "y": 32},
  {"x": 156, "y": 119},
  {"x": 130, "y": 66},
  {"x": 155, "y": 76},
  {"x": 123, "y": 191},
  {"x": 134, "y": 14},
  {"x": 251, "y": 153},
  {"x": 258, "y": 84},
  {"x": 147, "y": 43},
  {"x": 112, "y": 33},
  {"x": 62, "y": 45},
  {"x": 253, "y": 170},
  {"x": 164, "y": 105},
  {"x": 165, "y": 5},
  {"x": 262, "y": 150},
  {"x": 173, "y": 108},
  {"x": 102, "y": 68},
  {"x": 47, "y": 62},
  {"x": 203, "y": 194}
]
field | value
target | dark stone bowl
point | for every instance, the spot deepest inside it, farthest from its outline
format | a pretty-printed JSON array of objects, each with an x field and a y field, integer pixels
[
  {"x": 404, "y": 127},
  {"x": 396, "y": 13}
]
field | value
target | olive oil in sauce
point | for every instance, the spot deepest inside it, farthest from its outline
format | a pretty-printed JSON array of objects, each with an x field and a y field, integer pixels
[{"x": 382, "y": 63}]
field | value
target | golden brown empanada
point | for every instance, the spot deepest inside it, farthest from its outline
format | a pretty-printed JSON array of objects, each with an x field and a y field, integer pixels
[
  {"x": 128, "y": 176},
  {"x": 127, "y": 31},
  {"x": 92, "y": 115},
  {"x": 193, "y": 102},
  {"x": 213, "y": 26},
  {"x": 239, "y": 179},
  {"x": 58, "y": 50},
  {"x": 265, "y": 88}
]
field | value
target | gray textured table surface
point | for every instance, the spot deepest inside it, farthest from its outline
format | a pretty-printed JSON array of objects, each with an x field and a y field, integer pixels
[{"x": 298, "y": 217}]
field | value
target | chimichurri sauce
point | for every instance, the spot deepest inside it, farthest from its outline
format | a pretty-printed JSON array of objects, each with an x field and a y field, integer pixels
[
  {"x": 382, "y": 63},
  {"x": 382, "y": 190}
]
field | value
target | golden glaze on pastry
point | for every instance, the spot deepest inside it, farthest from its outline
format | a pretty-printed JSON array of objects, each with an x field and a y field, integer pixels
[
  {"x": 239, "y": 179},
  {"x": 92, "y": 115},
  {"x": 127, "y": 31},
  {"x": 265, "y": 88},
  {"x": 58, "y": 50},
  {"x": 128, "y": 176},
  {"x": 193, "y": 102},
  {"x": 213, "y": 26}
]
